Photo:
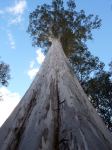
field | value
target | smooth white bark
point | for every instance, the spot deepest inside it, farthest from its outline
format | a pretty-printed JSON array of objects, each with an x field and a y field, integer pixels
[{"x": 55, "y": 113}]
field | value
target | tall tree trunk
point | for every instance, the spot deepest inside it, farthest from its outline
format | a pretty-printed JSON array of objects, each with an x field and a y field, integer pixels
[{"x": 55, "y": 113}]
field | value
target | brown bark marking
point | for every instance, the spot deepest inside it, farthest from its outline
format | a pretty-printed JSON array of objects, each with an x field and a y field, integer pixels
[
  {"x": 44, "y": 116},
  {"x": 53, "y": 99},
  {"x": 45, "y": 135},
  {"x": 19, "y": 130},
  {"x": 56, "y": 111}
]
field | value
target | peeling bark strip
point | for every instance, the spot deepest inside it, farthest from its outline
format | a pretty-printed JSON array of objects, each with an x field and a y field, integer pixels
[
  {"x": 57, "y": 115},
  {"x": 56, "y": 112}
]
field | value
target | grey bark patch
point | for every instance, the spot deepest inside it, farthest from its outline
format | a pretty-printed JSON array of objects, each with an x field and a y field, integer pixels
[{"x": 19, "y": 130}]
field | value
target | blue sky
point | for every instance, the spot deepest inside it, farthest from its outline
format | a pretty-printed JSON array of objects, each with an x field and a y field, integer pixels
[{"x": 24, "y": 60}]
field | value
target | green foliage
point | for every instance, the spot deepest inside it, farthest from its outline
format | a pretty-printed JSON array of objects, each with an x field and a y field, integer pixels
[
  {"x": 99, "y": 88},
  {"x": 4, "y": 73},
  {"x": 84, "y": 64},
  {"x": 56, "y": 21}
]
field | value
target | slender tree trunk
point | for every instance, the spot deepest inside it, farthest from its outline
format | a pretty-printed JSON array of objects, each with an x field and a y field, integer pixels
[{"x": 55, "y": 113}]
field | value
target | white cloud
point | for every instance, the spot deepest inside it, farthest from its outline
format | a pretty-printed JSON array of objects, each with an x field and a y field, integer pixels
[
  {"x": 40, "y": 56},
  {"x": 16, "y": 20},
  {"x": 9, "y": 102},
  {"x": 33, "y": 68},
  {"x": 17, "y": 11},
  {"x": 32, "y": 63},
  {"x": 11, "y": 40},
  {"x": 32, "y": 72}
]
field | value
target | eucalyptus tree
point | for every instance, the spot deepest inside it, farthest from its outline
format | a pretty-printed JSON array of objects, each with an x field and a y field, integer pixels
[{"x": 55, "y": 112}]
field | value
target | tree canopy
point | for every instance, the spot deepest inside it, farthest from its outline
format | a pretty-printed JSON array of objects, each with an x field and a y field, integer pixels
[{"x": 61, "y": 21}]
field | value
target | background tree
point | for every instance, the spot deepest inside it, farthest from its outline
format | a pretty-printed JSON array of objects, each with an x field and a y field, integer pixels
[
  {"x": 95, "y": 81},
  {"x": 4, "y": 73},
  {"x": 85, "y": 65},
  {"x": 99, "y": 89}
]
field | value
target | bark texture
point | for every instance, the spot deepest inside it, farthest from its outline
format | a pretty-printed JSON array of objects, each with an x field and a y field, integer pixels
[{"x": 55, "y": 113}]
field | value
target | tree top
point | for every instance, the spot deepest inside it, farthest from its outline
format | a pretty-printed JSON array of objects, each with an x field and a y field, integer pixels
[{"x": 61, "y": 20}]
